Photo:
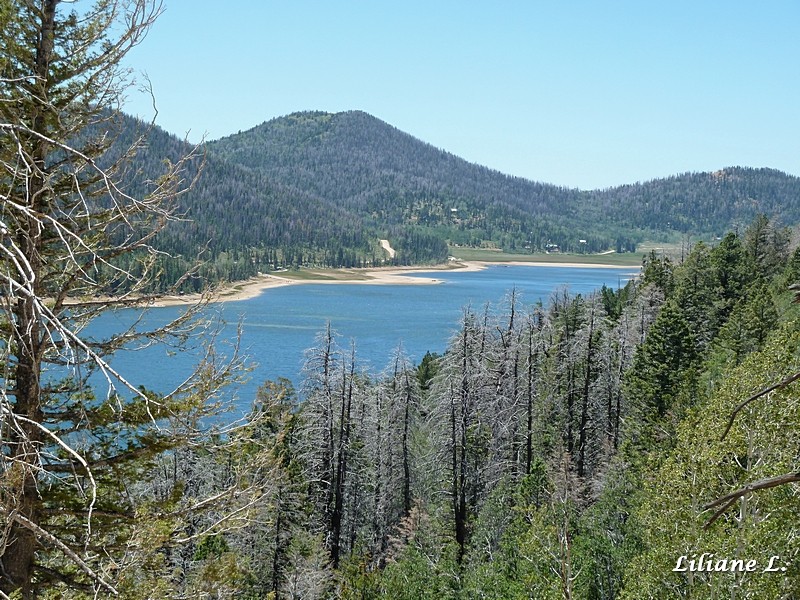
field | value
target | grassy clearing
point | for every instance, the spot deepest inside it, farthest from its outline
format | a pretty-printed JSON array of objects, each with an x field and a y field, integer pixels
[
  {"x": 475, "y": 254},
  {"x": 484, "y": 255},
  {"x": 672, "y": 249},
  {"x": 323, "y": 275}
]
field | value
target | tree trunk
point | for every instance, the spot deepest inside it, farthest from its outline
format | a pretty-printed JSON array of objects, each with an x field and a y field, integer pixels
[
  {"x": 341, "y": 465},
  {"x": 583, "y": 431},
  {"x": 406, "y": 451},
  {"x": 17, "y": 562}
]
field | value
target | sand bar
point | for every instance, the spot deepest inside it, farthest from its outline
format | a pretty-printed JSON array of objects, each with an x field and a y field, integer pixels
[{"x": 250, "y": 288}]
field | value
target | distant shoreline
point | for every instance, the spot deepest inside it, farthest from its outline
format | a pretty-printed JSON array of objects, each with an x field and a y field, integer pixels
[{"x": 255, "y": 286}]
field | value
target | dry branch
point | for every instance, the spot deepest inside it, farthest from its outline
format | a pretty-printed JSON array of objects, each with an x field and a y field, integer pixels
[
  {"x": 763, "y": 484},
  {"x": 777, "y": 386}
]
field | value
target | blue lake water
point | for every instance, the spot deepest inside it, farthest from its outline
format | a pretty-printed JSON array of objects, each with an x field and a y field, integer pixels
[{"x": 280, "y": 324}]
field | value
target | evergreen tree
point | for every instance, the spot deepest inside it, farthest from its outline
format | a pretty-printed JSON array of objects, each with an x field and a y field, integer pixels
[
  {"x": 767, "y": 245},
  {"x": 703, "y": 467},
  {"x": 661, "y": 364},
  {"x": 72, "y": 234}
]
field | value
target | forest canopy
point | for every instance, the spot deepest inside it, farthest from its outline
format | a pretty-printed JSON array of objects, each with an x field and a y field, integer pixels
[{"x": 553, "y": 450}]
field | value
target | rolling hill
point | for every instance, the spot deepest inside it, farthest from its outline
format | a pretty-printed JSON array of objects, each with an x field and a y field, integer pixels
[{"x": 322, "y": 189}]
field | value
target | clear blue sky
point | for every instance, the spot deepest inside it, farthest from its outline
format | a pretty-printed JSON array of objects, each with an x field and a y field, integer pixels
[{"x": 584, "y": 94}]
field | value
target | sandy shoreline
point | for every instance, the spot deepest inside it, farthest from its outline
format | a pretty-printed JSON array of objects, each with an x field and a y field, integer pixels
[{"x": 251, "y": 288}]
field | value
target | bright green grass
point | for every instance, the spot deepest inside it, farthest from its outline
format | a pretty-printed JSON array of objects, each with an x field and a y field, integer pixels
[{"x": 484, "y": 255}]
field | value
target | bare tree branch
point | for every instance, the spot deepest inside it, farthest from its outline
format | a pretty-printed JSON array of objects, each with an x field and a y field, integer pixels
[
  {"x": 71, "y": 228},
  {"x": 777, "y": 386},
  {"x": 25, "y": 522},
  {"x": 763, "y": 484}
]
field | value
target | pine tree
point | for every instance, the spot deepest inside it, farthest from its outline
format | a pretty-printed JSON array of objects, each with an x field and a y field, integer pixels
[
  {"x": 661, "y": 363},
  {"x": 71, "y": 236}
]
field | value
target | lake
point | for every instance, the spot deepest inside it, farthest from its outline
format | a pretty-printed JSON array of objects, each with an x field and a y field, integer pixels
[{"x": 280, "y": 324}]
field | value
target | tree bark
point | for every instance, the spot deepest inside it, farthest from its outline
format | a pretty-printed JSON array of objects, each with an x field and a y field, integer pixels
[{"x": 17, "y": 562}]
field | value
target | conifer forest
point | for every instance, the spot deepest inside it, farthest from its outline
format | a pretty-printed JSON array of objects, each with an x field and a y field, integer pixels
[{"x": 630, "y": 443}]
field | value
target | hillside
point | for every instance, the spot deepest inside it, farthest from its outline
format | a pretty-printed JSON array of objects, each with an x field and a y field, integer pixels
[
  {"x": 703, "y": 203},
  {"x": 364, "y": 164},
  {"x": 393, "y": 180},
  {"x": 322, "y": 189}
]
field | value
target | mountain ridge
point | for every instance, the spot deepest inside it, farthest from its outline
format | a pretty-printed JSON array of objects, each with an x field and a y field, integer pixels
[
  {"x": 321, "y": 189},
  {"x": 361, "y": 113}
]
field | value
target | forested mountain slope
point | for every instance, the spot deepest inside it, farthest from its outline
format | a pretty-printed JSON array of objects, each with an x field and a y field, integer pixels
[
  {"x": 702, "y": 203},
  {"x": 585, "y": 448},
  {"x": 362, "y": 163},
  {"x": 239, "y": 220},
  {"x": 322, "y": 189},
  {"x": 359, "y": 162}
]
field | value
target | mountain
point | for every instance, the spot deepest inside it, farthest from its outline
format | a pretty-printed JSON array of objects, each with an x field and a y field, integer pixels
[
  {"x": 703, "y": 203},
  {"x": 315, "y": 188},
  {"x": 392, "y": 180}
]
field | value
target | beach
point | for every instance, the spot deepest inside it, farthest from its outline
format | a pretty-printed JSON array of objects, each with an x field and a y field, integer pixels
[{"x": 250, "y": 288}]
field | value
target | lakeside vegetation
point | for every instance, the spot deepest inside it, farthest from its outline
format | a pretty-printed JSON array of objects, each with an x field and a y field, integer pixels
[
  {"x": 550, "y": 452},
  {"x": 633, "y": 259}
]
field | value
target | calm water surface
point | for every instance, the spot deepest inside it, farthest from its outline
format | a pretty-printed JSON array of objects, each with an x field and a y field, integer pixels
[{"x": 280, "y": 324}]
